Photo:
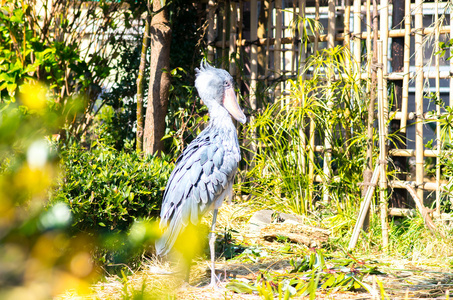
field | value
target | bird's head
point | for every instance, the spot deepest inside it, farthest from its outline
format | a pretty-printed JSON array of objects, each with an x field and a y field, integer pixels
[{"x": 215, "y": 87}]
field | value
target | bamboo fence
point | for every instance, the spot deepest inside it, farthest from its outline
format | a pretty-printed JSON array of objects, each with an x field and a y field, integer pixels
[{"x": 233, "y": 26}]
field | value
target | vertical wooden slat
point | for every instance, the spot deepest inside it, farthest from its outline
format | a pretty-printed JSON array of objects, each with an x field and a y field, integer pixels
[
  {"x": 211, "y": 31},
  {"x": 382, "y": 147},
  {"x": 438, "y": 137},
  {"x": 407, "y": 53},
  {"x": 419, "y": 171},
  {"x": 278, "y": 45},
  {"x": 232, "y": 40}
]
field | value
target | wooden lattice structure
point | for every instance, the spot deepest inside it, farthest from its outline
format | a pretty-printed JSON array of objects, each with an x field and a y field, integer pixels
[{"x": 265, "y": 27}]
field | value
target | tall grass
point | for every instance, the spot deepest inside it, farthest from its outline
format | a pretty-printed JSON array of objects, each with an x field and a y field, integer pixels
[{"x": 279, "y": 168}]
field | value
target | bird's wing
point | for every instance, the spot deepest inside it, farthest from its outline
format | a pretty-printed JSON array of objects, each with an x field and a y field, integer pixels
[{"x": 202, "y": 177}]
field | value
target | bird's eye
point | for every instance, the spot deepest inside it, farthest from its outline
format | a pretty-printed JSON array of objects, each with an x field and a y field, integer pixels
[{"x": 227, "y": 84}]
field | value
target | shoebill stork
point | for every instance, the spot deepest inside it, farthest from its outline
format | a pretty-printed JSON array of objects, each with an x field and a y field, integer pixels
[{"x": 204, "y": 173}]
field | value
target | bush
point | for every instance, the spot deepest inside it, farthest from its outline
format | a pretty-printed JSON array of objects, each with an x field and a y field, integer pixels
[{"x": 108, "y": 189}]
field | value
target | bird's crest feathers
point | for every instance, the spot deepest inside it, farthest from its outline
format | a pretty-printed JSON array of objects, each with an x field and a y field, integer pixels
[{"x": 204, "y": 66}]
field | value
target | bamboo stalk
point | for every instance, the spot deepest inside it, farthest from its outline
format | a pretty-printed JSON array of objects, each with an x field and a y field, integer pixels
[
  {"x": 293, "y": 44},
  {"x": 311, "y": 153},
  {"x": 407, "y": 50},
  {"x": 301, "y": 73},
  {"x": 347, "y": 27},
  {"x": 331, "y": 25},
  {"x": 311, "y": 160},
  {"x": 278, "y": 44},
  {"x": 357, "y": 41},
  {"x": 316, "y": 37},
  {"x": 450, "y": 137},
  {"x": 423, "y": 210},
  {"x": 419, "y": 97},
  {"x": 365, "y": 207},
  {"x": 302, "y": 49},
  {"x": 211, "y": 32},
  {"x": 233, "y": 32},
  {"x": 382, "y": 148},
  {"x": 369, "y": 56},
  {"x": 384, "y": 30},
  {"x": 438, "y": 137},
  {"x": 328, "y": 132}
]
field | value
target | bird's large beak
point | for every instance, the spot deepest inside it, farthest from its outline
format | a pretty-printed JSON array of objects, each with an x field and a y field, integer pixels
[{"x": 231, "y": 104}]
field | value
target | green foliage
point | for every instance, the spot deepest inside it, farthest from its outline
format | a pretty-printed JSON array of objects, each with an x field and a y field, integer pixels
[
  {"x": 108, "y": 189},
  {"x": 119, "y": 113},
  {"x": 280, "y": 166},
  {"x": 35, "y": 247},
  {"x": 310, "y": 273}
]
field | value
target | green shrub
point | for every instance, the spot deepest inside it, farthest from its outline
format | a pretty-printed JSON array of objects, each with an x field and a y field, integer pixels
[{"x": 107, "y": 189}]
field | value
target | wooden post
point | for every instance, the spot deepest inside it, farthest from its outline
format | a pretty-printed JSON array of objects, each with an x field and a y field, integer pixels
[
  {"x": 407, "y": 53},
  {"x": 211, "y": 31},
  {"x": 384, "y": 34},
  {"x": 278, "y": 45},
  {"x": 382, "y": 148},
  {"x": 419, "y": 171},
  {"x": 438, "y": 137}
]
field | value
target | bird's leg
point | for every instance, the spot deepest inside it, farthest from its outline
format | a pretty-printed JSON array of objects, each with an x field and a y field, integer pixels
[{"x": 212, "y": 248}]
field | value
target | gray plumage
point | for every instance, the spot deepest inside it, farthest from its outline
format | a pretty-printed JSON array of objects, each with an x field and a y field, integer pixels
[{"x": 204, "y": 173}]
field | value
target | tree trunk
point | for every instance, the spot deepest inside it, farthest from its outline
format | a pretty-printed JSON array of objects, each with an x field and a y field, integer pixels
[
  {"x": 140, "y": 83},
  {"x": 159, "y": 81}
]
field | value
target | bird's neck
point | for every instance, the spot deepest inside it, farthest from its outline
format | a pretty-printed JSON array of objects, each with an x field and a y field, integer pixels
[{"x": 220, "y": 117}]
